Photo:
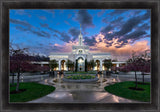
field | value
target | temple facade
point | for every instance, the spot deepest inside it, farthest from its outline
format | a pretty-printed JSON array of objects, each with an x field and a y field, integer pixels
[{"x": 80, "y": 53}]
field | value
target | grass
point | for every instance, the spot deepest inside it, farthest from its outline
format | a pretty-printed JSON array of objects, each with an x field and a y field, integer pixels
[
  {"x": 33, "y": 91},
  {"x": 81, "y": 72},
  {"x": 122, "y": 89}
]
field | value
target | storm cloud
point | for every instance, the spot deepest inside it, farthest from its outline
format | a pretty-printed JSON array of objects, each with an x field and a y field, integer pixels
[
  {"x": 20, "y": 22},
  {"x": 85, "y": 19},
  {"x": 25, "y": 26},
  {"x": 130, "y": 30},
  {"x": 117, "y": 12},
  {"x": 90, "y": 41},
  {"x": 104, "y": 30},
  {"x": 74, "y": 32}
]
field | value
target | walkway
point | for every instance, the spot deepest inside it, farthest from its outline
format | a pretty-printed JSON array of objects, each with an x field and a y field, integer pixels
[
  {"x": 81, "y": 97},
  {"x": 80, "y": 93}
]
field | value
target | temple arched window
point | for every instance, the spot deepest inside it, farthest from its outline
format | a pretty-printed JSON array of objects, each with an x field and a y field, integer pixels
[{"x": 80, "y": 51}]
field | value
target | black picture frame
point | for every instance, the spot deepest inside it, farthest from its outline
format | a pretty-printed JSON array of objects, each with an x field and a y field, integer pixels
[{"x": 154, "y": 5}]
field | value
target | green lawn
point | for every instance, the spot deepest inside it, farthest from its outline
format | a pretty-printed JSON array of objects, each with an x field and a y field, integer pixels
[
  {"x": 33, "y": 91},
  {"x": 122, "y": 89}
]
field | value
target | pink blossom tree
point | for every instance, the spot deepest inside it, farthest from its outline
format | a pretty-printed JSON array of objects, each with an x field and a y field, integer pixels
[
  {"x": 135, "y": 64},
  {"x": 138, "y": 63},
  {"x": 41, "y": 68},
  {"x": 123, "y": 68},
  {"x": 45, "y": 68},
  {"x": 19, "y": 62},
  {"x": 114, "y": 68},
  {"x": 145, "y": 68}
]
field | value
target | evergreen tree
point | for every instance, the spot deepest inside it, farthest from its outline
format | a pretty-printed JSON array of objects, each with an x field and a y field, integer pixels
[
  {"x": 91, "y": 64},
  {"x": 107, "y": 64},
  {"x": 53, "y": 64},
  {"x": 70, "y": 64},
  {"x": 76, "y": 65},
  {"x": 86, "y": 65}
]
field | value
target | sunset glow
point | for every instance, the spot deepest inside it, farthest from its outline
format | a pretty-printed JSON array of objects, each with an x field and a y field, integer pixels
[{"x": 118, "y": 32}]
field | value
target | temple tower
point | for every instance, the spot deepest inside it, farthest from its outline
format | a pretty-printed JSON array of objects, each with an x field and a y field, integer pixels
[{"x": 80, "y": 37}]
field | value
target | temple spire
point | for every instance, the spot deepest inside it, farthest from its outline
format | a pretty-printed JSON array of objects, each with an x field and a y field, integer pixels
[
  {"x": 80, "y": 37},
  {"x": 80, "y": 28}
]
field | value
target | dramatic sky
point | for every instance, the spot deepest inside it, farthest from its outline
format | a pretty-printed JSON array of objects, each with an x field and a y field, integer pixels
[{"x": 116, "y": 31}]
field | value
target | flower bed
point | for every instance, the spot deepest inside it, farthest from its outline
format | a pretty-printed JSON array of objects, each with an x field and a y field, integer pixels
[
  {"x": 80, "y": 78},
  {"x": 77, "y": 77}
]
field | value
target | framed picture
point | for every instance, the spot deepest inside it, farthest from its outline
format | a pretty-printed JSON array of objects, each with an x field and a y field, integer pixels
[{"x": 76, "y": 56}]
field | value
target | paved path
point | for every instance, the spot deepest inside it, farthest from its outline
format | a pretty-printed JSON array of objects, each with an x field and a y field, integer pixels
[
  {"x": 80, "y": 93},
  {"x": 81, "y": 97}
]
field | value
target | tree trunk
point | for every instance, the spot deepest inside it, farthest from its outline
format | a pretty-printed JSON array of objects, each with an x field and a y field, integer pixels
[
  {"x": 13, "y": 79},
  {"x": 136, "y": 79},
  {"x": 17, "y": 88}
]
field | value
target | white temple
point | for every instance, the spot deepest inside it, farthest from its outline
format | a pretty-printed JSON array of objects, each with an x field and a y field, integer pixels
[{"x": 80, "y": 53}]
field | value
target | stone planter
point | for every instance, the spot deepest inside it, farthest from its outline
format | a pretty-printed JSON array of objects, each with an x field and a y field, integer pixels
[{"x": 82, "y": 80}]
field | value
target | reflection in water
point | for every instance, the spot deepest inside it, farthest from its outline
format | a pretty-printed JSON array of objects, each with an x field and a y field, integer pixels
[
  {"x": 115, "y": 99},
  {"x": 100, "y": 96},
  {"x": 82, "y": 92},
  {"x": 63, "y": 86},
  {"x": 60, "y": 95},
  {"x": 94, "y": 86}
]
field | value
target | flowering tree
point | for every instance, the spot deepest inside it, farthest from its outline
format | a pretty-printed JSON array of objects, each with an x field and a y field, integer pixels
[
  {"x": 114, "y": 68},
  {"x": 138, "y": 63},
  {"x": 36, "y": 68},
  {"x": 39, "y": 58},
  {"x": 146, "y": 60},
  {"x": 134, "y": 64},
  {"x": 123, "y": 68},
  {"x": 19, "y": 62},
  {"x": 146, "y": 68},
  {"x": 45, "y": 68}
]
